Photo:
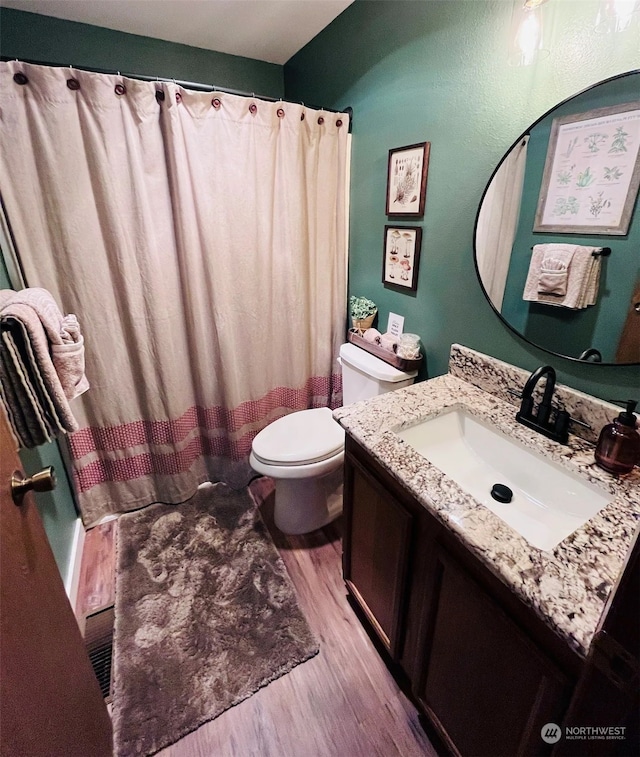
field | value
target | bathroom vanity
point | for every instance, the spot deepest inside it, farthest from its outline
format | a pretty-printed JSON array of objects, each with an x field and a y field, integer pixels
[{"x": 494, "y": 635}]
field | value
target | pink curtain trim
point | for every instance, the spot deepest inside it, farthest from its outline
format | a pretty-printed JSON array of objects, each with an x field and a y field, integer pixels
[
  {"x": 154, "y": 464},
  {"x": 320, "y": 391}
]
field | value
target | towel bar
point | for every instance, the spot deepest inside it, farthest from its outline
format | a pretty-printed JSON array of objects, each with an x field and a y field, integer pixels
[{"x": 603, "y": 252}]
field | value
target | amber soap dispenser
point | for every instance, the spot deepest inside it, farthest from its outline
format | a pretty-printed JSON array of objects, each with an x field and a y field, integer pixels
[{"x": 618, "y": 448}]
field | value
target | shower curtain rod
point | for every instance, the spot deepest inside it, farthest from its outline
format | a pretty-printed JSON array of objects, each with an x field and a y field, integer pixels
[{"x": 187, "y": 84}]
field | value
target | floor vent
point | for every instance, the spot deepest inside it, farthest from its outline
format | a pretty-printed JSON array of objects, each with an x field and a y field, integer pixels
[{"x": 98, "y": 639}]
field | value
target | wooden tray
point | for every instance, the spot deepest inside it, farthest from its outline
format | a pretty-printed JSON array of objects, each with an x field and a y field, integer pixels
[{"x": 401, "y": 363}]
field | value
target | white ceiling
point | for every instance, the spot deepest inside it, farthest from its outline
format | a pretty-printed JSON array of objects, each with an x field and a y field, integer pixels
[{"x": 267, "y": 30}]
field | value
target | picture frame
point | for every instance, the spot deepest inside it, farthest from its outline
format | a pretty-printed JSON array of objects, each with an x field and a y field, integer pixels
[
  {"x": 407, "y": 180},
  {"x": 591, "y": 173},
  {"x": 401, "y": 256}
]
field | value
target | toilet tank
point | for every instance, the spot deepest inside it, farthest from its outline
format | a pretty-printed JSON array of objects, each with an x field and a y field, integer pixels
[{"x": 364, "y": 375}]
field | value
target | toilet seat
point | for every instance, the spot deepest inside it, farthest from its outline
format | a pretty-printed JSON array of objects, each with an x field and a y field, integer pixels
[{"x": 300, "y": 438}]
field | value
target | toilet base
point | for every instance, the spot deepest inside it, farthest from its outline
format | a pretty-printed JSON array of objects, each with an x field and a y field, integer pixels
[{"x": 305, "y": 504}]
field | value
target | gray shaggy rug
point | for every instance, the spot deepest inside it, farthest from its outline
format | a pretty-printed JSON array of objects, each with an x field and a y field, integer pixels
[{"x": 205, "y": 615}]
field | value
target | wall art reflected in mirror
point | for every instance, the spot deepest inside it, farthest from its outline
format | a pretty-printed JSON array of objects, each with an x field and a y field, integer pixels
[{"x": 572, "y": 289}]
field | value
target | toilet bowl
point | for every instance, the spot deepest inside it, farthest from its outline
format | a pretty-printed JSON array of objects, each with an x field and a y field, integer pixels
[{"x": 304, "y": 451}]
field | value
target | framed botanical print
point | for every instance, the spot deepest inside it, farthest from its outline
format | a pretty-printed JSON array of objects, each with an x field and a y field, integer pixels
[
  {"x": 401, "y": 256},
  {"x": 592, "y": 172},
  {"x": 407, "y": 180}
]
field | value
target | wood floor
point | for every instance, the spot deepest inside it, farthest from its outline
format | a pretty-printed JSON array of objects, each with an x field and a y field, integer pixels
[{"x": 342, "y": 703}]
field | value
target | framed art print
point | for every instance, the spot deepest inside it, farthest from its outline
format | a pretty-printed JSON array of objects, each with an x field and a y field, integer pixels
[
  {"x": 401, "y": 256},
  {"x": 407, "y": 180},
  {"x": 591, "y": 173}
]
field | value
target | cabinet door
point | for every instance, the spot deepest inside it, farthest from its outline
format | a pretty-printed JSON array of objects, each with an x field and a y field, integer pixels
[
  {"x": 484, "y": 683},
  {"x": 376, "y": 553}
]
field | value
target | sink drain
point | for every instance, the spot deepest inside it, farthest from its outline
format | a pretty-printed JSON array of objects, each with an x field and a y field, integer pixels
[{"x": 501, "y": 493}]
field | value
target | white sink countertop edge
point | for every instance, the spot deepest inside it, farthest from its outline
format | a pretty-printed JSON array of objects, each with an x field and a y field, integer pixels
[{"x": 567, "y": 586}]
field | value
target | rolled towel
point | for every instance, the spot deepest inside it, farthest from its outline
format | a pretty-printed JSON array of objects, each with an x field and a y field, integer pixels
[
  {"x": 372, "y": 335},
  {"x": 553, "y": 277},
  {"x": 389, "y": 342},
  {"x": 68, "y": 358},
  {"x": 554, "y": 269}
]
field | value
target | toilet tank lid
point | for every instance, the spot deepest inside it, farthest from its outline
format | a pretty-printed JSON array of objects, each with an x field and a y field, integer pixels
[
  {"x": 373, "y": 366},
  {"x": 305, "y": 436}
]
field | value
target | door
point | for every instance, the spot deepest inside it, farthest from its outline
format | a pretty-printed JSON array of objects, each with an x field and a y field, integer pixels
[
  {"x": 629, "y": 345},
  {"x": 50, "y": 701}
]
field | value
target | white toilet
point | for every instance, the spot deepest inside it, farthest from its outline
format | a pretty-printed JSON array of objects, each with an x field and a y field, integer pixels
[{"x": 304, "y": 451}]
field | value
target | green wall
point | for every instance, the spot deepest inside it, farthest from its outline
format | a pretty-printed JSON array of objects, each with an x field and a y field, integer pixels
[
  {"x": 599, "y": 326},
  {"x": 30, "y": 36},
  {"x": 437, "y": 72}
]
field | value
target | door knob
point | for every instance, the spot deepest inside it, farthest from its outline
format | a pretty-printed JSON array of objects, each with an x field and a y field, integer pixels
[{"x": 43, "y": 481}]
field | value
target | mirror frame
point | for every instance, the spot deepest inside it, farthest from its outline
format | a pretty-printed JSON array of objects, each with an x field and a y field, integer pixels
[{"x": 484, "y": 193}]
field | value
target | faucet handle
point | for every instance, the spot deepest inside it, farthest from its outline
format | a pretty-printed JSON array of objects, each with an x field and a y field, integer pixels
[
  {"x": 561, "y": 409},
  {"x": 561, "y": 425},
  {"x": 579, "y": 422}
]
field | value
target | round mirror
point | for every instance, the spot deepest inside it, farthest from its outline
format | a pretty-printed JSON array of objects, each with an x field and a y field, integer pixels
[{"x": 557, "y": 234}]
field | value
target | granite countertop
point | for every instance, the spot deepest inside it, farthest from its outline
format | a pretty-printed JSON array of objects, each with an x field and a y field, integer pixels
[{"x": 567, "y": 586}]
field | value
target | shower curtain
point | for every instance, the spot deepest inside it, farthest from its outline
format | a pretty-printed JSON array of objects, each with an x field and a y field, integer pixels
[
  {"x": 200, "y": 239},
  {"x": 498, "y": 223}
]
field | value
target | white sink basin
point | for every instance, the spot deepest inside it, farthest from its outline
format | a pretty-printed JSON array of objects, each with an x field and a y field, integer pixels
[{"x": 548, "y": 503}]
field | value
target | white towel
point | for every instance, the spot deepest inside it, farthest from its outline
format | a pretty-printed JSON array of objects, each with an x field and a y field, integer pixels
[
  {"x": 66, "y": 344},
  {"x": 554, "y": 270},
  {"x": 581, "y": 281},
  {"x": 41, "y": 365},
  {"x": 593, "y": 281}
]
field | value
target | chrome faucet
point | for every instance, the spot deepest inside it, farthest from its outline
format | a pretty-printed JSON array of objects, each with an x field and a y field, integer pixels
[{"x": 541, "y": 420}]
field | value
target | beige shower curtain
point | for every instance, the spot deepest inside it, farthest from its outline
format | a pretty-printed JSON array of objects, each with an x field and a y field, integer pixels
[
  {"x": 200, "y": 239},
  {"x": 498, "y": 223}
]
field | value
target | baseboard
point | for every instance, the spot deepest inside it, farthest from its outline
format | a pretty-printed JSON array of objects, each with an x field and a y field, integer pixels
[{"x": 72, "y": 580}]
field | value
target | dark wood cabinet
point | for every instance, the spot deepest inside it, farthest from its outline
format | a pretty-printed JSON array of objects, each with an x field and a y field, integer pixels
[
  {"x": 484, "y": 682},
  {"x": 486, "y": 671},
  {"x": 608, "y": 691},
  {"x": 376, "y": 554}
]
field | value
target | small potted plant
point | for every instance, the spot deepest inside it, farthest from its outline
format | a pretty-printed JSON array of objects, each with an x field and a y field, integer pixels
[{"x": 363, "y": 311}]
